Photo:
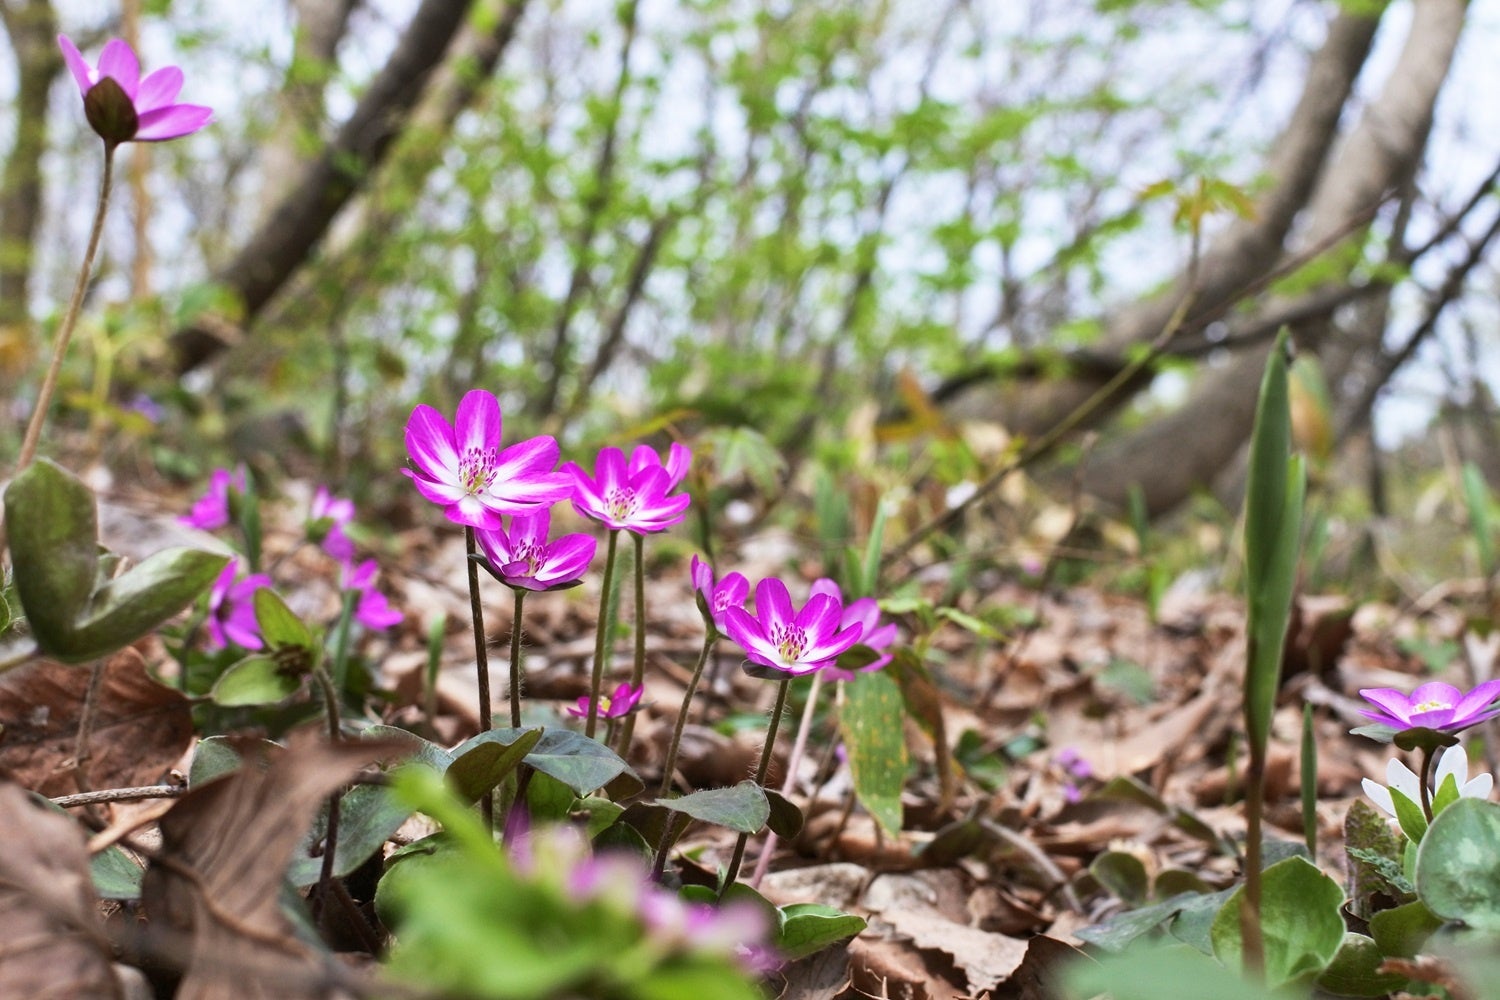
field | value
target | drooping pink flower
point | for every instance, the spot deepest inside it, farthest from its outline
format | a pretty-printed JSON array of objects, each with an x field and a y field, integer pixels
[
  {"x": 122, "y": 107},
  {"x": 782, "y": 638},
  {"x": 231, "y": 609},
  {"x": 611, "y": 706},
  {"x": 866, "y": 614},
  {"x": 523, "y": 558},
  {"x": 214, "y": 509},
  {"x": 715, "y": 598},
  {"x": 1433, "y": 705},
  {"x": 371, "y": 609},
  {"x": 461, "y": 467},
  {"x": 633, "y": 500}
]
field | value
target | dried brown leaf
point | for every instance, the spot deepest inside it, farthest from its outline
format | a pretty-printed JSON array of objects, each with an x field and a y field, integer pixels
[
  {"x": 140, "y": 730},
  {"x": 225, "y": 851},
  {"x": 53, "y": 944}
]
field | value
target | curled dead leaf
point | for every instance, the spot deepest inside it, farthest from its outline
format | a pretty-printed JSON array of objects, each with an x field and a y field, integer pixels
[{"x": 140, "y": 730}]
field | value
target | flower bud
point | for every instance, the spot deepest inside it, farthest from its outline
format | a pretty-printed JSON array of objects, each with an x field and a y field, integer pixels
[{"x": 111, "y": 112}]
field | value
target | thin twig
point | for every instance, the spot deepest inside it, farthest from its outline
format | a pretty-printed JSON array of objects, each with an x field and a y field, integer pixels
[{"x": 135, "y": 794}]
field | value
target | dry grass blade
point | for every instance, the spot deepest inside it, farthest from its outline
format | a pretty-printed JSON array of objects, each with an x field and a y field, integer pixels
[
  {"x": 225, "y": 851},
  {"x": 52, "y": 944}
]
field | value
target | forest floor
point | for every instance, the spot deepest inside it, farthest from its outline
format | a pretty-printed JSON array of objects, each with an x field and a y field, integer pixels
[{"x": 1086, "y": 733}]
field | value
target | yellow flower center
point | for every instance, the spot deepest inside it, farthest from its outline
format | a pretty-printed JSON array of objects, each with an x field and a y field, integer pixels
[
  {"x": 604, "y": 704},
  {"x": 1431, "y": 705}
]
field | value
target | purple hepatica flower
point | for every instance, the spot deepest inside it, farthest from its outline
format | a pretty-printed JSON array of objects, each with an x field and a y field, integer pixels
[
  {"x": 461, "y": 467},
  {"x": 715, "y": 598},
  {"x": 612, "y": 706},
  {"x": 372, "y": 610},
  {"x": 1434, "y": 705},
  {"x": 215, "y": 508},
  {"x": 326, "y": 521},
  {"x": 866, "y": 614},
  {"x": 678, "y": 459},
  {"x": 784, "y": 639},
  {"x": 523, "y": 558},
  {"x": 231, "y": 609},
  {"x": 121, "y": 106},
  {"x": 629, "y": 498}
]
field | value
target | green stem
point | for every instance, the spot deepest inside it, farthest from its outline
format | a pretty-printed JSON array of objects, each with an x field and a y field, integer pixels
[
  {"x": 638, "y": 668},
  {"x": 1250, "y": 927},
  {"x": 341, "y": 642},
  {"x": 481, "y": 663},
  {"x": 70, "y": 319},
  {"x": 687, "y": 704},
  {"x": 515, "y": 661},
  {"x": 331, "y": 836},
  {"x": 733, "y": 871},
  {"x": 598, "y": 677}
]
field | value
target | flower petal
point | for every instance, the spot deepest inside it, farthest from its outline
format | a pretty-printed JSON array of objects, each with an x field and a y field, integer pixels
[
  {"x": 1402, "y": 779},
  {"x": 172, "y": 122},
  {"x": 773, "y": 604},
  {"x": 1476, "y": 701},
  {"x": 1395, "y": 703},
  {"x": 823, "y": 585},
  {"x": 1380, "y": 795},
  {"x": 429, "y": 442},
  {"x": 119, "y": 63},
  {"x": 477, "y": 424},
  {"x": 77, "y": 65},
  {"x": 159, "y": 89}
]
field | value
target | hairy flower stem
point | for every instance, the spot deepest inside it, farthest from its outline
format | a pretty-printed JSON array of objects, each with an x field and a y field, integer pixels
[
  {"x": 70, "y": 319},
  {"x": 733, "y": 871},
  {"x": 638, "y": 668},
  {"x": 598, "y": 678},
  {"x": 1429, "y": 754},
  {"x": 687, "y": 703},
  {"x": 799, "y": 747},
  {"x": 481, "y": 663},
  {"x": 331, "y": 836},
  {"x": 515, "y": 660}
]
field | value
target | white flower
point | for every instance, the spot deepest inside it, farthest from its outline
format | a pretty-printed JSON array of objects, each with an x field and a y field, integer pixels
[{"x": 1398, "y": 776}]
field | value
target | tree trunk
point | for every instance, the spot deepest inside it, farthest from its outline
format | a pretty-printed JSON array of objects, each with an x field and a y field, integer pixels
[
  {"x": 290, "y": 233},
  {"x": 1186, "y": 449},
  {"x": 1233, "y": 262},
  {"x": 32, "y": 27}
]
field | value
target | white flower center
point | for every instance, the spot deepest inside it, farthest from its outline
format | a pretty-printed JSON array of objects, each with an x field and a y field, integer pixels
[
  {"x": 621, "y": 503},
  {"x": 476, "y": 470},
  {"x": 1430, "y": 705},
  {"x": 790, "y": 642}
]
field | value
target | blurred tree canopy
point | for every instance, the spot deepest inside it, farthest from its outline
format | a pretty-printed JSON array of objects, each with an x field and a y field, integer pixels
[{"x": 767, "y": 213}]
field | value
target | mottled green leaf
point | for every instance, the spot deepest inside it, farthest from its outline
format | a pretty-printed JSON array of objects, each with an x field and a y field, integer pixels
[
  {"x": 871, "y": 722},
  {"x": 1458, "y": 864}
]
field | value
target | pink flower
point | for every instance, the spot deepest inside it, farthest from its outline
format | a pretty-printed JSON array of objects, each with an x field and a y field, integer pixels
[
  {"x": 372, "y": 610},
  {"x": 215, "y": 508},
  {"x": 632, "y": 498},
  {"x": 326, "y": 521},
  {"x": 461, "y": 467},
  {"x": 231, "y": 609},
  {"x": 716, "y": 598},
  {"x": 866, "y": 614},
  {"x": 612, "y": 706},
  {"x": 1434, "y": 705},
  {"x": 782, "y": 638},
  {"x": 523, "y": 558},
  {"x": 678, "y": 459},
  {"x": 122, "y": 107}
]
